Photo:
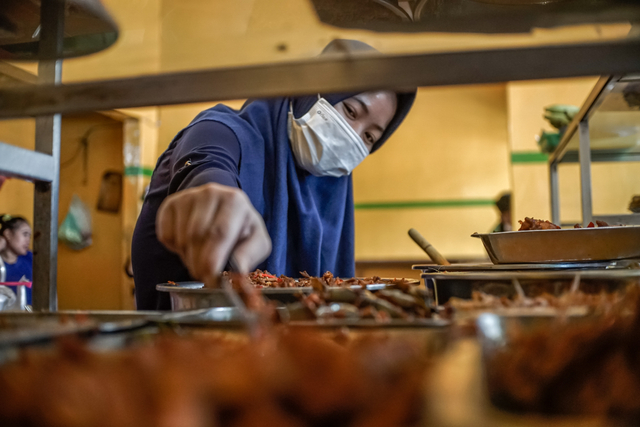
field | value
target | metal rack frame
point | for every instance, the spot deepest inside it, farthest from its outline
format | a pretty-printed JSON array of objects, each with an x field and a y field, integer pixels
[
  {"x": 47, "y": 101},
  {"x": 585, "y": 157}
]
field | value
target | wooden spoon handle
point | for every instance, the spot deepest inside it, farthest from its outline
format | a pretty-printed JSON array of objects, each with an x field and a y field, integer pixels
[{"x": 428, "y": 248}]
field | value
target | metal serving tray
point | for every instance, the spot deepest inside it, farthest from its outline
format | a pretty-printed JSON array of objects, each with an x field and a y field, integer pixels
[
  {"x": 566, "y": 245},
  {"x": 193, "y": 295},
  {"x": 445, "y": 285},
  {"x": 230, "y": 317},
  {"x": 22, "y": 328}
]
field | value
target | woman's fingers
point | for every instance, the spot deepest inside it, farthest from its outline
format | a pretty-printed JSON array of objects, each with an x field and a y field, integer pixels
[
  {"x": 254, "y": 247},
  {"x": 204, "y": 225},
  {"x": 227, "y": 227},
  {"x": 202, "y": 214}
]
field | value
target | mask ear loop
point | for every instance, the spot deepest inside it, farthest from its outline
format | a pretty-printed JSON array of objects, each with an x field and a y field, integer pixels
[{"x": 291, "y": 106}]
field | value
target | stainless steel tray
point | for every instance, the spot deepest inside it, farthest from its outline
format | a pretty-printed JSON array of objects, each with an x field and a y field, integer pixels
[
  {"x": 193, "y": 295},
  {"x": 461, "y": 284},
  {"x": 230, "y": 317},
  {"x": 566, "y": 245},
  {"x": 21, "y": 328}
]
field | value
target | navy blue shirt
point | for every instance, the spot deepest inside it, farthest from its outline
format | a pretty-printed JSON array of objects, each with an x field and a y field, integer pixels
[{"x": 19, "y": 271}]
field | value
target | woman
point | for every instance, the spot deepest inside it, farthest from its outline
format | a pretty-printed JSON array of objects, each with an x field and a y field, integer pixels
[
  {"x": 17, "y": 258},
  {"x": 274, "y": 175}
]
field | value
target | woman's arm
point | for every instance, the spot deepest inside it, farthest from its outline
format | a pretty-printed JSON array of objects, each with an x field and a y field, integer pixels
[
  {"x": 206, "y": 152},
  {"x": 207, "y": 218}
]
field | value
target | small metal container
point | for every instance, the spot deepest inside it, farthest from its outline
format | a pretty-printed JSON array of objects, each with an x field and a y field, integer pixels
[{"x": 566, "y": 245}]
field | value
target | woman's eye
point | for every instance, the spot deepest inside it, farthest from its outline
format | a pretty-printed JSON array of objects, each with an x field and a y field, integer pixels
[
  {"x": 369, "y": 138},
  {"x": 350, "y": 111}
]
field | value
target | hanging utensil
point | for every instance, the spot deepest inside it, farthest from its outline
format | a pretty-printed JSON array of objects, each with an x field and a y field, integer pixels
[{"x": 428, "y": 248}]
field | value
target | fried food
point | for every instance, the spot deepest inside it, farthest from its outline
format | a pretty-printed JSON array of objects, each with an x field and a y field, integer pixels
[
  {"x": 264, "y": 279},
  {"x": 397, "y": 301},
  {"x": 536, "y": 224},
  {"x": 594, "y": 295},
  {"x": 291, "y": 379}
]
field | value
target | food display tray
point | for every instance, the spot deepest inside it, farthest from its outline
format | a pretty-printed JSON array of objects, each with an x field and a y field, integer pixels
[
  {"x": 461, "y": 284},
  {"x": 563, "y": 245},
  {"x": 193, "y": 295}
]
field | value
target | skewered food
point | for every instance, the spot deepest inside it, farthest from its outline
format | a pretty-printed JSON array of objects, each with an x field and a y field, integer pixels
[
  {"x": 287, "y": 379},
  {"x": 399, "y": 301},
  {"x": 595, "y": 295}
]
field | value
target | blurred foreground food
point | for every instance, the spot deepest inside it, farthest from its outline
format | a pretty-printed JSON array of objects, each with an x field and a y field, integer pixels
[
  {"x": 584, "y": 366},
  {"x": 286, "y": 379}
]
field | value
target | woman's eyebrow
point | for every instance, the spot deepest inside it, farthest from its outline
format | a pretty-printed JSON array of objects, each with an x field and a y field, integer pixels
[{"x": 362, "y": 104}]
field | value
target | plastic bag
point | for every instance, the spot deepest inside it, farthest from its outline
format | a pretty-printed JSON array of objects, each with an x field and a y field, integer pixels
[{"x": 75, "y": 230}]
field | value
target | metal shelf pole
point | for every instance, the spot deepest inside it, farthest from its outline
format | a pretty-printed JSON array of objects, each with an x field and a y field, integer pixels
[
  {"x": 555, "y": 193},
  {"x": 45, "y": 206},
  {"x": 585, "y": 173}
]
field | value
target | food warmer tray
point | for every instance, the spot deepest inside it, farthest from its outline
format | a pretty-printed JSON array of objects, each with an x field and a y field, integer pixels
[{"x": 562, "y": 245}]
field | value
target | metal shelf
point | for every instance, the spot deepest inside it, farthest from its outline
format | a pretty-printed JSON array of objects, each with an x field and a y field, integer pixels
[{"x": 606, "y": 119}]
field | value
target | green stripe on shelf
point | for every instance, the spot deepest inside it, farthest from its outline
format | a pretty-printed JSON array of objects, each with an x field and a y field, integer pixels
[
  {"x": 137, "y": 171},
  {"x": 529, "y": 157},
  {"x": 425, "y": 204}
]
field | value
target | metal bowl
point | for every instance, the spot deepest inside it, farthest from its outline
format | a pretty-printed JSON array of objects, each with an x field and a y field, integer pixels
[{"x": 566, "y": 245}]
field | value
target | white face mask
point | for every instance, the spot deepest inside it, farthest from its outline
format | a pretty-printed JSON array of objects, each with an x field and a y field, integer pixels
[{"x": 323, "y": 143}]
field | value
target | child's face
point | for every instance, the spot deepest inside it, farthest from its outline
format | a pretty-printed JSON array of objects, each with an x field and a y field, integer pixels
[{"x": 18, "y": 240}]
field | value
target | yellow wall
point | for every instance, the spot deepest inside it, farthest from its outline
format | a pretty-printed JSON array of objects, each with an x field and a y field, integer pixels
[
  {"x": 91, "y": 278},
  {"x": 452, "y": 146},
  {"x": 170, "y": 35}
]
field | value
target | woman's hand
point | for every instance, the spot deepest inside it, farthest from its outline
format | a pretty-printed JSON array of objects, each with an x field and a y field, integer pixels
[{"x": 207, "y": 225}]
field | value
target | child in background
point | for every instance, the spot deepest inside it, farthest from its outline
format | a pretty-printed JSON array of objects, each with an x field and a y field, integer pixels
[{"x": 18, "y": 259}]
